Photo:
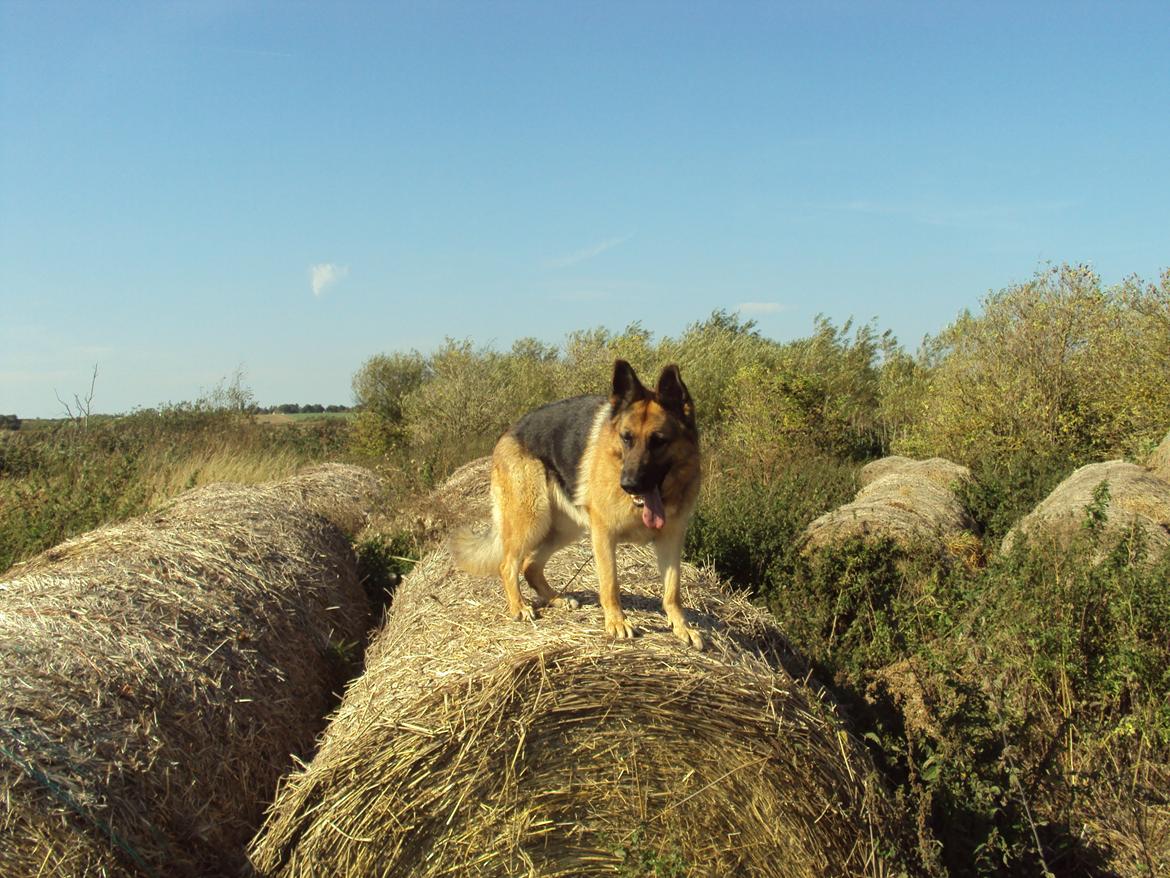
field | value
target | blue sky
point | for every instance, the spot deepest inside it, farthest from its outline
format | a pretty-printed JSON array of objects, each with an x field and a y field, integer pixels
[{"x": 191, "y": 188}]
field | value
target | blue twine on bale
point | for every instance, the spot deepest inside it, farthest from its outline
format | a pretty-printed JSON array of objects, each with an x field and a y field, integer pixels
[{"x": 62, "y": 795}]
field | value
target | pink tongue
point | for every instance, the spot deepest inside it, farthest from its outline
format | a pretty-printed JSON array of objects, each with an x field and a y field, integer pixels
[{"x": 653, "y": 515}]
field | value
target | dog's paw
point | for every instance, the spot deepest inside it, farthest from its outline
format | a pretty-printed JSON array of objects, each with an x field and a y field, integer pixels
[
  {"x": 526, "y": 613},
  {"x": 689, "y": 636},
  {"x": 560, "y": 600},
  {"x": 618, "y": 628}
]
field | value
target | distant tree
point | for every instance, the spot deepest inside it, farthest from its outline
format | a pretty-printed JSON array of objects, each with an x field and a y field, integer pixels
[
  {"x": 710, "y": 354},
  {"x": 289, "y": 408},
  {"x": 229, "y": 395},
  {"x": 9, "y": 422},
  {"x": 80, "y": 415},
  {"x": 385, "y": 380},
  {"x": 333, "y": 409},
  {"x": 820, "y": 393},
  {"x": 314, "y": 408},
  {"x": 1056, "y": 366}
]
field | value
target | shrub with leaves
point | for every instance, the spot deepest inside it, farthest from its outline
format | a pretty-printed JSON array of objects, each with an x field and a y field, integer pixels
[
  {"x": 823, "y": 393},
  {"x": 385, "y": 380},
  {"x": 1019, "y": 708},
  {"x": 471, "y": 397},
  {"x": 711, "y": 354},
  {"x": 1057, "y": 366}
]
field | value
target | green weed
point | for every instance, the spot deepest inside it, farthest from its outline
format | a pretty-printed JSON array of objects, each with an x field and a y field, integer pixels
[{"x": 639, "y": 859}]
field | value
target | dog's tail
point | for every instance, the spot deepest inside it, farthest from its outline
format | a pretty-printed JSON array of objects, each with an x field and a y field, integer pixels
[{"x": 476, "y": 552}]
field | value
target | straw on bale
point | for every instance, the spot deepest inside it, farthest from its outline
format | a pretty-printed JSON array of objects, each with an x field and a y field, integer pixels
[
  {"x": 1138, "y": 500},
  {"x": 1159, "y": 460},
  {"x": 913, "y": 502},
  {"x": 346, "y": 495},
  {"x": 474, "y": 745},
  {"x": 160, "y": 673},
  {"x": 461, "y": 499}
]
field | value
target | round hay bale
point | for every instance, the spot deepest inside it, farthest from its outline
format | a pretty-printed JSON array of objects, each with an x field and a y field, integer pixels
[
  {"x": 1159, "y": 460},
  {"x": 1137, "y": 500},
  {"x": 912, "y": 502},
  {"x": 462, "y": 499},
  {"x": 465, "y": 494},
  {"x": 160, "y": 674},
  {"x": 937, "y": 470},
  {"x": 474, "y": 745},
  {"x": 346, "y": 495}
]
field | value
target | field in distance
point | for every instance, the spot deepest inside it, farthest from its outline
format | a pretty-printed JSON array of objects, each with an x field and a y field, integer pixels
[{"x": 300, "y": 417}]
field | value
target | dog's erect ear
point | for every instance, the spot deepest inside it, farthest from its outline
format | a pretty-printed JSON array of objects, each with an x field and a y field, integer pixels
[
  {"x": 674, "y": 396},
  {"x": 627, "y": 389}
]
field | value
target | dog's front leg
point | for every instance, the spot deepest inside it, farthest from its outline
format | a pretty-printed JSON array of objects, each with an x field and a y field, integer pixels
[
  {"x": 668, "y": 547},
  {"x": 611, "y": 600}
]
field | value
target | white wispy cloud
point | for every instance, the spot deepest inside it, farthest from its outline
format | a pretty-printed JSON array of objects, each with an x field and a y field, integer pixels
[
  {"x": 325, "y": 274},
  {"x": 588, "y": 253},
  {"x": 762, "y": 307}
]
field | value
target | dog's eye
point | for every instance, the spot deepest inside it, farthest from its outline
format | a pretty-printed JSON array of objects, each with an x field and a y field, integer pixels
[
  {"x": 627, "y": 439},
  {"x": 656, "y": 439}
]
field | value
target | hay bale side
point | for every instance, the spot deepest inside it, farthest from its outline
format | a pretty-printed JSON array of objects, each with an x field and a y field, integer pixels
[
  {"x": 1137, "y": 499},
  {"x": 938, "y": 470},
  {"x": 160, "y": 673},
  {"x": 473, "y": 745},
  {"x": 911, "y": 502},
  {"x": 1159, "y": 460},
  {"x": 462, "y": 499},
  {"x": 346, "y": 495}
]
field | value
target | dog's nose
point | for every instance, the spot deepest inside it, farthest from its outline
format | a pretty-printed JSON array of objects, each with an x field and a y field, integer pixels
[{"x": 630, "y": 485}]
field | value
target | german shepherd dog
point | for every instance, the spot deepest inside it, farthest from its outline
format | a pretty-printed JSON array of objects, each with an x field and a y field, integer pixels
[{"x": 626, "y": 468}]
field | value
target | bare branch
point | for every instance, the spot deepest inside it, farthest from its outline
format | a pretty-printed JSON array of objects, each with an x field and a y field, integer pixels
[
  {"x": 81, "y": 415},
  {"x": 68, "y": 411}
]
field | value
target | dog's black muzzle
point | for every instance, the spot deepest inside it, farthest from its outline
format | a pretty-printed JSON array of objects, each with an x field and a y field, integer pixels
[{"x": 642, "y": 480}]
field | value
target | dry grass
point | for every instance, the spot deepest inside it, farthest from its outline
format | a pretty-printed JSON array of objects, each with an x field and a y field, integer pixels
[
  {"x": 1137, "y": 500},
  {"x": 1159, "y": 460},
  {"x": 909, "y": 501},
  {"x": 1112, "y": 795},
  {"x": 165, "y": 477},
  {"x": 160, "y": 672},
  {"x": 474, "y": 745}
]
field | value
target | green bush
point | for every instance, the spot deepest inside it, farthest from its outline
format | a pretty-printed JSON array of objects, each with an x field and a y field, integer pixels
[
  {"x": 587, "y": 359},
  {"x": 1057, "y": 366},
  {"x": 826, "y": 393},
  {"x": 445, "y": 408},
  {"x": 710, "y": 355},
  {"x": 471, "y": 397},
  {"x": 841, "y": 391},
  {"x": 750, "y": 516},
  {"x": 1007, "y": 487},
  {"x": 384, "y": 381},
  {"x": 383, "y": 559},
  {"x": 966, "y": 682}
]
